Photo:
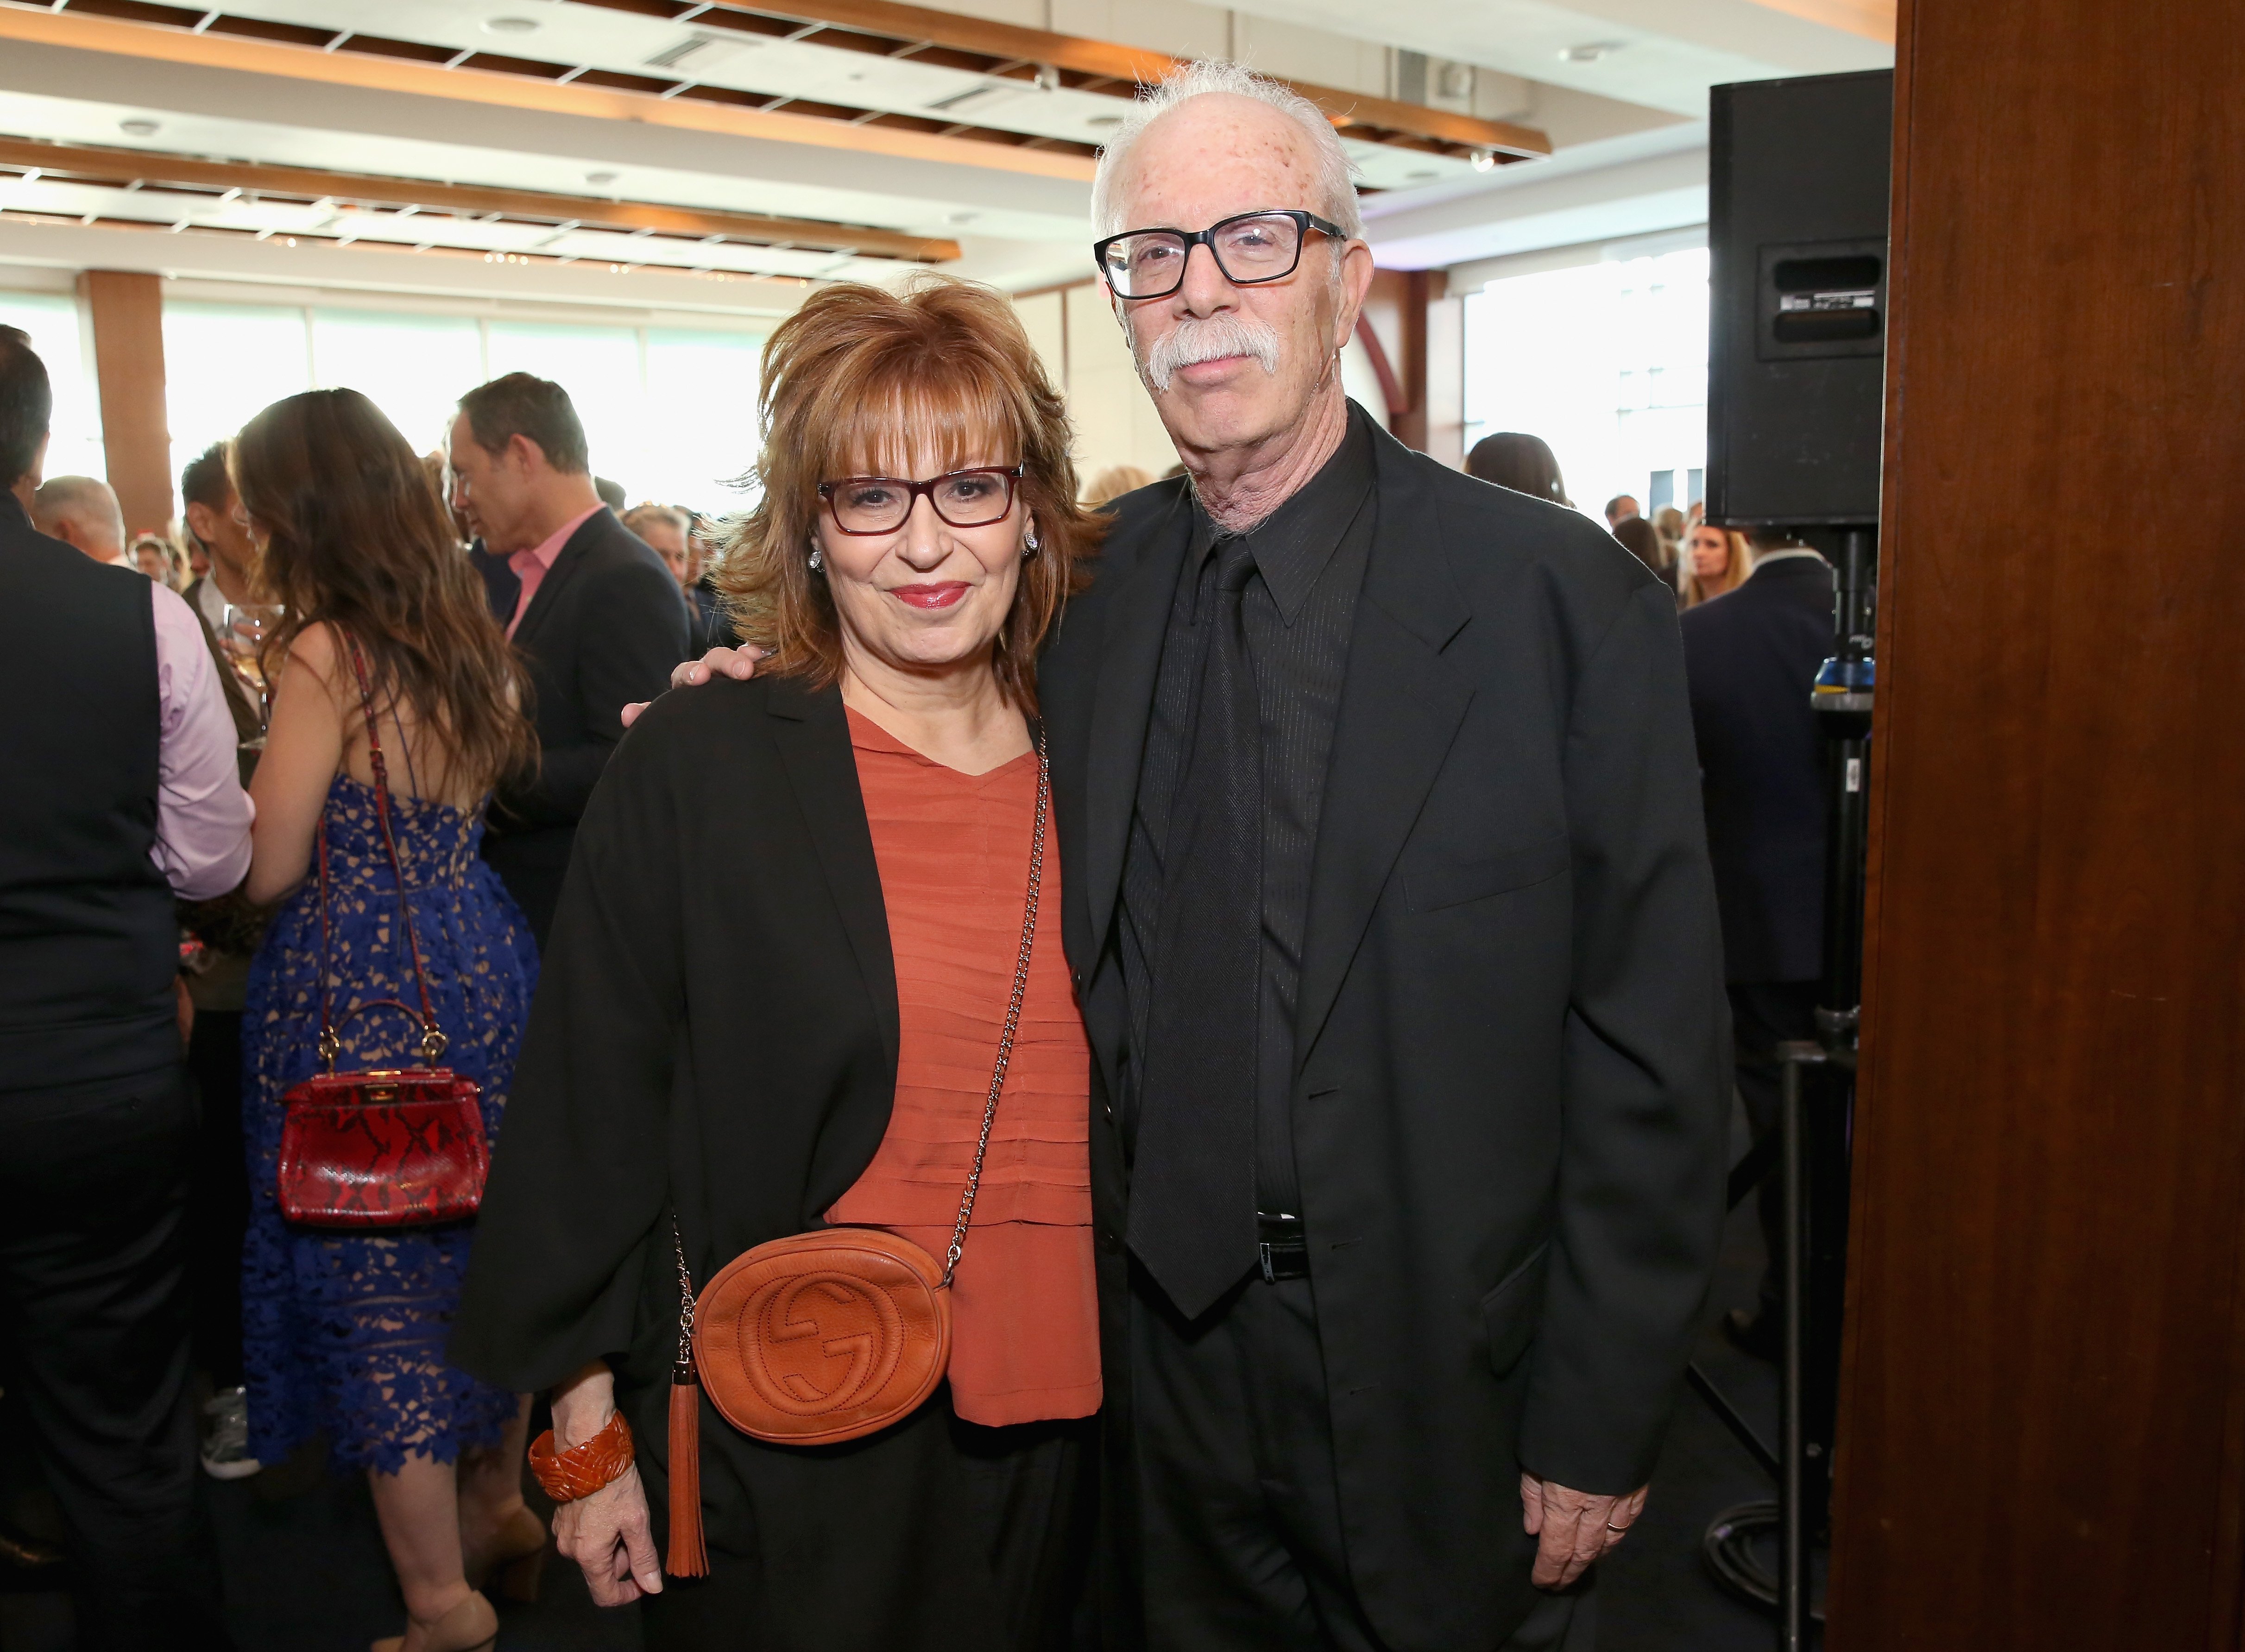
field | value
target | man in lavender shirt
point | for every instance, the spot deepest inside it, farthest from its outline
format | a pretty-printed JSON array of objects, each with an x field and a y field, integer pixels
[{"x": 121, "y": 794}]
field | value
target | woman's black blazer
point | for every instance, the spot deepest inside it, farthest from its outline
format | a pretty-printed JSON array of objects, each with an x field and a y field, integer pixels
[{"x": 715, "y": 1029}]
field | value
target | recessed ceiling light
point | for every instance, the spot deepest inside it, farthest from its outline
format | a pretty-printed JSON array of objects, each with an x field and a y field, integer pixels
[
  {"x": 139, "y": 126},
  {"x": 600, "y": 177},
  {"x": 963, "y": 217},
  {"x": 1104, "y": 120},
  {"x": 1591, "y": 51},
  {"x": 1484, "y": 161},
  {"x": 509, "y": 25},
  {"x": 1423, "y": 177}
]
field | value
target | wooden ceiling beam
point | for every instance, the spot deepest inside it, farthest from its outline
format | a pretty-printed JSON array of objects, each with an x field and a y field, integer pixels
[
  {"x": 124, "y": 165},
  {"x": 155, "y": 43}
]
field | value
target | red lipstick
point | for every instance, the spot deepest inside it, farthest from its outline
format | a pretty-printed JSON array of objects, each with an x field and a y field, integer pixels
[{"x": 930, "y": 597}]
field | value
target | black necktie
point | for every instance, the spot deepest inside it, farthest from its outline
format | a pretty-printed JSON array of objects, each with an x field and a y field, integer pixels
[{"x": 1192, "y": 1184}]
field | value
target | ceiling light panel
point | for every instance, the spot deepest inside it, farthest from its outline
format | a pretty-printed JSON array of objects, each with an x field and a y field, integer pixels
[
  {"x": 70, "y": 120},
  {"x": 801, "y": 70},
  {"x": 341, "y": 224}
]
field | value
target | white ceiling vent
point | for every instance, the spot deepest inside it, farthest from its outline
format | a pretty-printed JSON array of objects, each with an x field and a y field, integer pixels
[
  {"x": 973, "y": 95},
  {"x": 696, "y": 54}
]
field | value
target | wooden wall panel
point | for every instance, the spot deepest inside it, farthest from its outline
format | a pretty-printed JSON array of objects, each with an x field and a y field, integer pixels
[
  {"x": 2040, "y": 1426},
  {"x": 126, "y": 308},
  {"x": 1396, "y": 312}
]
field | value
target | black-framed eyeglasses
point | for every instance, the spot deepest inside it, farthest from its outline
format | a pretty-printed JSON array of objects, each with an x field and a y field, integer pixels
[
  {"x": 1248, "y": 249},
  {"x": 972, "y": 499}
]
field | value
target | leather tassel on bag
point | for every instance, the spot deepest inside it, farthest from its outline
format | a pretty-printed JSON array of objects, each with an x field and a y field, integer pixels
[{"x": 687, "y": 1555}]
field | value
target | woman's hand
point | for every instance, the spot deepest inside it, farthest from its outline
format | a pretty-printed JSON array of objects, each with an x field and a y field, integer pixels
[
  {"x": 608, "y": 1533},
  {"x": 608, "y": 1536},
  {"x": 739, "y": 664}
]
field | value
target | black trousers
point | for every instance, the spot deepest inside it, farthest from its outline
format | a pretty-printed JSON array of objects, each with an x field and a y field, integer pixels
[
  {"x": 218, "y": 1203},
  {"x": 1765, "y": 1014},
  {"x": 94, "y": 1322},
  {"x": 1238, "y": 1508},
  {"x": 934, "y": 1535}
]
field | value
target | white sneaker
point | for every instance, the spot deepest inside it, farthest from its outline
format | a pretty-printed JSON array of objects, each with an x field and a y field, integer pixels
[{"x": 226, "y": 1436}]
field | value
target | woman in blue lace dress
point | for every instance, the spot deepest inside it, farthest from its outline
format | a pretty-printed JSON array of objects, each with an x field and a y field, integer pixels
[{"x": 345, "y": 1331}]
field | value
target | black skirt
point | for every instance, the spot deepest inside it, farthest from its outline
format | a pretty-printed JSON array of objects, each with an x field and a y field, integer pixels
[{"x": 935, "y": 1535}]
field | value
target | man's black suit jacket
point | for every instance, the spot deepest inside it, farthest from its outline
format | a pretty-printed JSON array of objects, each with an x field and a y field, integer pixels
[
  {"x": 1512, "y": 1065},
  {"x": 1751, "y": 656},
  {"x": 502, "y": 585},
  {"x": 604, "y": 628}
]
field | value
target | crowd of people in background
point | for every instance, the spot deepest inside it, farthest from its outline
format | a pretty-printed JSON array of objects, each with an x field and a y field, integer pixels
[
  {"x": 1698, "y": 561},
  {"x": 390, "y": 685}
]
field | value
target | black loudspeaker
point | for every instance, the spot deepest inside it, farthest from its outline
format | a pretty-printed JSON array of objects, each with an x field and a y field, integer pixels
[{"x": 1797, "y": 291}]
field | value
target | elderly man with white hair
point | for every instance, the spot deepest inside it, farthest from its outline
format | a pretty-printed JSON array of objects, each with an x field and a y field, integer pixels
[
  {"x": 1389, "y": 910},
  {"x": 1394, "y": 931}
]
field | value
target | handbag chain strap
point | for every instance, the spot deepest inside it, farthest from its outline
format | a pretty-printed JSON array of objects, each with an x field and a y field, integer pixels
[
  {"x": 1012, "y": 1011},
  {"x": 433, "y": 1042},
  {"x": 685, "y": 1362}
]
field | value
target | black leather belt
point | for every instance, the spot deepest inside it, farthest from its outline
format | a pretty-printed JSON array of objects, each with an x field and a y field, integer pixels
[{"x": 1283, "y": 1246}]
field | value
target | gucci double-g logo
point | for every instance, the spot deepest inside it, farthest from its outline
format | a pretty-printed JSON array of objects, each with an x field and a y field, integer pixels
[{"x": 820, "y": 1341}]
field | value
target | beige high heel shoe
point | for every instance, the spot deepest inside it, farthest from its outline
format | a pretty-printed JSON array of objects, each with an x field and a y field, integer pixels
[{"x": 472, "y": 1626}]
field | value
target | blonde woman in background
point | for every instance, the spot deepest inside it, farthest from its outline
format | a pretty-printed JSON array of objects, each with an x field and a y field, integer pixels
[
  {"x": 1114, "y": 482},
  {"x": 1715, "y": 560}
]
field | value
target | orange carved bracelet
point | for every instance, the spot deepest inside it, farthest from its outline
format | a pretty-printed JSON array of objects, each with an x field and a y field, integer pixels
[{"x": 584, "y": 1469}]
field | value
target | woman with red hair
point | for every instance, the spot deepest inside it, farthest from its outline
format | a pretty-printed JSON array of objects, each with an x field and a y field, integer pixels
[{"x": 805, "y": 985}]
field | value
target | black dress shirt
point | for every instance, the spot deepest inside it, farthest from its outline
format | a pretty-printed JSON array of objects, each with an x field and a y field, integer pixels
[{"x": 1300, "y": 609}]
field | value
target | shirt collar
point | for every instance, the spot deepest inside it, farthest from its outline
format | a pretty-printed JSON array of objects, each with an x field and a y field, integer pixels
[
  {"x": 560, "y": 537},
  {"x": 1791, "y": 553},
  {"x": 1292, "y": 545}
]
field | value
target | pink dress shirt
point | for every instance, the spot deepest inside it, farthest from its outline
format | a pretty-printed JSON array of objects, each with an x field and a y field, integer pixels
[
  {"x": 202, "y": 814},
  {"x": 531, "y": 567}
]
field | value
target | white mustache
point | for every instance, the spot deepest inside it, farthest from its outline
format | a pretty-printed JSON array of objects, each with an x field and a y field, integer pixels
[{"x": 1198, "y": 338}]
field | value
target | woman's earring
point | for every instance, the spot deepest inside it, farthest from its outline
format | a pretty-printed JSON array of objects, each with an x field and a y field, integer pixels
[
  {"x": 1029, "y": 544},
  {"x": 817, "y": 557}
]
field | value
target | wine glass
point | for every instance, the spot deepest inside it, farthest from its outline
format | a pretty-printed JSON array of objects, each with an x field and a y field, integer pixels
[{"x": 247, "y": 624}]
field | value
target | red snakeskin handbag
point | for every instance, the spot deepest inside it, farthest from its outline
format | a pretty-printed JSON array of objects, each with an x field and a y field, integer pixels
[{"x": 386, "y": 1148}]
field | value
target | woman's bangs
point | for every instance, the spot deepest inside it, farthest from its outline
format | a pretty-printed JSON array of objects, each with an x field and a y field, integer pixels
[{"x": 911, "y": 421}]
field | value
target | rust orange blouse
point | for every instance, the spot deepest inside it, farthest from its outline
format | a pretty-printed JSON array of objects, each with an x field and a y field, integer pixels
[{"x": 954, "y": 852}]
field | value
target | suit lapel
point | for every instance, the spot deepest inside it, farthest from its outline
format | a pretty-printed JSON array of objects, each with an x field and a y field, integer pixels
[
  {"x": 1401, "y": 705},
  {"x": 565, "y": 565},
  {"x": 813, "y": 736},
  {"x": 1123, "y": 703}
]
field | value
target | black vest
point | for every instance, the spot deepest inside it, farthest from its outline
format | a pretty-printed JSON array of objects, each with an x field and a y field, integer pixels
[{"x": 89, "y": 945}]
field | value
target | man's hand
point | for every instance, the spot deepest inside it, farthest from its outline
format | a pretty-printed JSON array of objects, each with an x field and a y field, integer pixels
[
  {"x": 608, "y": 1536},
  {"x": 1573, "y": 1528},
  {"x": 739, "y": 664}
]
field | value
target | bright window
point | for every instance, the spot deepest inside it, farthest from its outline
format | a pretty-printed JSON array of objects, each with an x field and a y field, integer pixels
[
  {"x": 670, "y": 413},
  {"x": 1608, "y": 363},
  {"x": 412, "y": 367},
  {"x": 700, "y": 425},
  {"x": 223, "y": 363},
  {"x": 74, "y": 446}
]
